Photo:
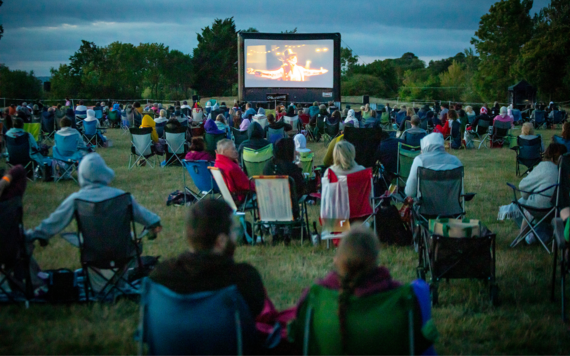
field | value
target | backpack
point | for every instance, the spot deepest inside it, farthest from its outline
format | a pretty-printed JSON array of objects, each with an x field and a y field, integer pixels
[
  {"x": 390, "y": 228},
  {"x": 177, "y": 198}
]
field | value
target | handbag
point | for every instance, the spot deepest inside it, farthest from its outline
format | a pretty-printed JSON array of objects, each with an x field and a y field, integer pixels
[{"x": 458, "y": 228}]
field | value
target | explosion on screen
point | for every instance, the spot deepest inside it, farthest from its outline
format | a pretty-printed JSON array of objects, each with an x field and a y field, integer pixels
[{"x": 289, "y": 70}]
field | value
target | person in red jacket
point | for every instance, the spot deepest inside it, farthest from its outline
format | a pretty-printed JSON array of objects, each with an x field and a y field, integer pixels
[{"x": 227, "y": 161}]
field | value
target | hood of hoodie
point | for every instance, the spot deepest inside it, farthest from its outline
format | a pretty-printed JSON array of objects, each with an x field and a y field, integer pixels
[
  {"x": 432, "y": 143},
  {"x": 215, "y": 107},
  {"x": 300, "y": 142},
  {"x": 261, "y": 111},
  {"x": 255, "y": 131},
  {"x": 212, "y": 128},
  {"x": 93, "y": 171}
]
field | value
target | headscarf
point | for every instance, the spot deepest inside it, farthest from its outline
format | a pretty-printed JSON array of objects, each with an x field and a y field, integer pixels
[
  {"x": 211, "y": 128},
  {"x": 90, "y": 115},
  {"x": 244, "y": 124},
  {"x": 483, "y": 111},
  {"x": 301, "y": 143},
  {"x": 148, "y": 121},
  {"x": 93, "y": 171}
]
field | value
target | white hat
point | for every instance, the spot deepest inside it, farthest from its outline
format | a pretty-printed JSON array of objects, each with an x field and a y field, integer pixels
[{"x": 90, "y": 115}]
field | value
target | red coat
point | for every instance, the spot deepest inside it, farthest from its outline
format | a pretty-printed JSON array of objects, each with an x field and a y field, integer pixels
[{"x": 238, "y": 183}]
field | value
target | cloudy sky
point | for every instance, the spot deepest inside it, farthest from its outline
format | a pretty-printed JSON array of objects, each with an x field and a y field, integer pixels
[{"x": 40, "y": 34}]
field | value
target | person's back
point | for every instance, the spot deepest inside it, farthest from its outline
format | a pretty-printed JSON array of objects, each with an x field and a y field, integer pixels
[{"x": 255, "y": 139}]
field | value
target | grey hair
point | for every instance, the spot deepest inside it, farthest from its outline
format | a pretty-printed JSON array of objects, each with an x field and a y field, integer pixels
[{"x": 224, "y": 145}]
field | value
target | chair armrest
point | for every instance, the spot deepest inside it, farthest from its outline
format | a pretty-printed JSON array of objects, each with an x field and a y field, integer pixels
[
  {"x": 558, "y": 226},
  {"x": 469, "y": 196}
]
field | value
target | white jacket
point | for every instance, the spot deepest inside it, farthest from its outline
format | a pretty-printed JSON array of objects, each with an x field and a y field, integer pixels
[{"x": 541, "y": 177}]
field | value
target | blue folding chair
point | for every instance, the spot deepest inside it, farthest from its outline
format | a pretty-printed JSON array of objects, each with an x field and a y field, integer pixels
[
  {"x": 517, "y": 116},
  {"x": 160, "y": 129},
  {"x": 19, "y": 153},
  {"x": 539, "y": 118},
  {"x": 205, "y": 323},
  {"x": 202, "y": 178},
  {"x": 400, "y": 117},
  {"x": 90, "y": 133},
  {"x": 67, "y": 156},
  {"x": 48, "y": 127}
]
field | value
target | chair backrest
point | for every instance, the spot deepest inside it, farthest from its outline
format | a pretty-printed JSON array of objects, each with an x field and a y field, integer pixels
[
  {"x": 385, "y": 118},
  {"x": 560, "y": 140},
  {"x": 105, "y": 230},
  {"x": 483, "y": 126},
  {"x": 254, "y": 160},
  {"x": 274, "y": 202},
  {"x": 98, "y": 112},
  {"x": 186, "y": 111},
  {"x": 365, "y": 141},
  {"x": 48, "y": 124},
  {"x": 239, "y": 136},
  {"x": 273, "y": 135},
  {"x": 529, "y": 150},
  {"x": 212, "y": 141},
  {"x": 293, "y": 121},
  {"x": 561, "y": 199},
  {"x": 183, "y": 324},
  {"x": 33, "y": 129},
  {"x": 501, "y": 128},
  {"x": 197, "y": 116},
  {"x": 539, "y": 117},
  {"x": 408, "y": 124},
  {"x": 65, "y": 146},
  {"x": 414, "y": 139},
  {"x": 18, "y": 149},
  {"x": 175, "y": 139},
  {"x": 11, "y": 231},
  {"x": 201, "y": 176},
  {"x": 90, "y": 127},
  {"x": 432, "y": 183},
  {"x": 557, "y": 117},
  {"x": 516, "y": 114},
  {"x": 400, "y": 116},
  {"x": 406, "y": 155},
  {"x": 113, "y": 116},
  {"x": 160, "y": 128},
  {"x": 141, "y": 140},
  {"x": 261, "y": 121},
  {"x": 307, "y": 162},
  {"x": 219, "y": 178},
  {"x": 332, "y": 129}
]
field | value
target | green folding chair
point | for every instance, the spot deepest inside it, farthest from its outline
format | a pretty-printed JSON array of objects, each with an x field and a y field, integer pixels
[
  {"x": 306, "y": 159},
  {"x": 406, "y": 155},
  {"x": 211, "y": 141},
  {"x": 253, "y": 161},
  {"x": 34, "y": 129}
]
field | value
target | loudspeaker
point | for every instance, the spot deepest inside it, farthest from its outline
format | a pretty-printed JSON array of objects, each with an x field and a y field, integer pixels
[
  {"x": 47, "y": 86},
  {"x": 365, "y": 99}
]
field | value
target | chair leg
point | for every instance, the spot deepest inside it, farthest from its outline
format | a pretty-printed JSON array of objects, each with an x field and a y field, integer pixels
[{"x": 554, "y": 266}]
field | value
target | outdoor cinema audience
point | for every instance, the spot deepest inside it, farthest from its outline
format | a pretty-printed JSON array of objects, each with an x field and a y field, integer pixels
[
  {"x": 197, "y": 151},
  {"x": 276, "y": 125},
  {"x": 227, "y": 161},
  {"x": 17, "y": 130},
  {"x": 255, "y": 139}
]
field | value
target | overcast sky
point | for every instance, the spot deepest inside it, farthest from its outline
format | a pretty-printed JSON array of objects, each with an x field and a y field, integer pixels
[{"x": 40, "y": 34}]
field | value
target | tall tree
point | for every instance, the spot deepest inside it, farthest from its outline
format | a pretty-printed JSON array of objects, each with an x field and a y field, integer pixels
[
  {"x": 501, "y": 34},
  {"x": 1, "y": 27},
  {"x": 347, "y": 60},
  {"x": 19, "y": 84},
  {"x": 215, "y": 58}
]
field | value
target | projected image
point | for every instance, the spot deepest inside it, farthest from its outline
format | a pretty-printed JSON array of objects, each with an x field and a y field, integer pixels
[{"x": 275, "y": 63}]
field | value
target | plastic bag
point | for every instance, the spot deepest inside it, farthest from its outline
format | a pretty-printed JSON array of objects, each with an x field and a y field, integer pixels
[{"x": 335, "y": 206}]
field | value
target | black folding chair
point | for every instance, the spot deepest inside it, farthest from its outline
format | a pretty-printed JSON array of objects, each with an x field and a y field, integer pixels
[
  {"x": 238, "y": 136},
  {"x": 365, "y": 141},
  {"x": 528, "y": 154},
  {"x": 14, "y": 257},
  {"x": 561, "y": 251},
  {"x": 331, "y": 132},
  {"x": 500, "y": 133},
  {"x": 108, "y": 241},
  {"x": 19, "y": 153}
]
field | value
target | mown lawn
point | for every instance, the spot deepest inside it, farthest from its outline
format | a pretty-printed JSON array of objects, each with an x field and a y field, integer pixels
[{"x": 525, "y": 323}]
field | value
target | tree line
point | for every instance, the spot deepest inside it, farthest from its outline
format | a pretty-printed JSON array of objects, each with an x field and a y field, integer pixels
[{"x": 509, "y": 45}]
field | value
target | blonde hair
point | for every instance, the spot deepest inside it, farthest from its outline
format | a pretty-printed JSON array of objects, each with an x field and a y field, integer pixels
[
  {"x": 221, "y": 118},
  {"x": 162, "y": 113},
  {"x": 468, "y": 109},
  {"x": 527, "y": 129},
  {"x": 410, "y": 112},
  {"x": 343, "y": 155}
]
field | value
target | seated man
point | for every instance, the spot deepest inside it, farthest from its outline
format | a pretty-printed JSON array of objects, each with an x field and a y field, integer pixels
[
  {"x": 227, "y": 161},
  {"x": 387, "y": 154},
  {"x": 255, "y": 139},
  {"x": 434, "y": 157},
  {"x": 18, "y": 130},
  {"x": 67, "y": 130},
  {"x": 357, "y": 280},
  {"x": 209, "y": 264},
  {"x": 413, "y": 136},
  {"x": 248, "y": 111},
  {"x": 81, "y": 110},
  {"x": 272, "y": 124}
]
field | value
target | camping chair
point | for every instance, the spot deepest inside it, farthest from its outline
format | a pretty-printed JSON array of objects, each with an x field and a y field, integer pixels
[
  {"x": 400, "y": 117},
  {"x": 319, "y": 128},
  {"x": 276, "y": 202},
  {"x": 34, "y": 129},
  {"x": 274, "y": 135},
  {"x": 336, "y": 215},
  {"x": 160, "y": 129},
  {"x": 331, "y": 132},
  {"x": 142, "y": 148},
  {"x": 90, "y": 133},
  {"x": 212, "y": 142},
  {"x": 365, "y": 142},
  {"x": 13, "y": 253},
  {"x": 481, "y": 133},
  {"x": 385, "y": 121},
  {"x": 186, "y": 112},
  {"x": 414, "y": 139},
  {"x": 517, "y": 116},
  {"x": 528, "y": 154},
  {"x": 560, "y": 140},
  {"x": 261, "y": 121},
  {"x": 184, "y": 324},
  {"x": 65, "y": 153},
  {"x": 253, "y": 161},
  {"x": 307, "y": 162},
  {"x": 197, "y": 117},
  {"x": 500, "y": 135},
  {"x": 406, "y": 156},
  {"x": 561, "y": 256},
  {"x": 559, "y": 118},
  {"x": 48, "y": 128},
  {"x": 238, "y": 136},
  {"x": 539, "y": 118},
  {"x": 294, "y": 122},
  {"x": 176, "y": 142},
  {"x": 202, "y": 178},
  {"x": 107, "y": 240},
  {"x": 19, "y": 153},
  {"x": 383, "y": 323},
  {"x": 114, "y": 118}
]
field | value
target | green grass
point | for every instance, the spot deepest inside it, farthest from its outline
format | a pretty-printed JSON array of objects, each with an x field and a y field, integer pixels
[{"x": 526, "y": 322}]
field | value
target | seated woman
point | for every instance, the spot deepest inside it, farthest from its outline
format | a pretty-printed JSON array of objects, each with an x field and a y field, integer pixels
[
  {"x": 355, "y": 280},
  {"x": 503, "y": 117},
  {"x": 470, "y": 114},
  {"x": 564, "y": 139},
  {"x": 17, "y": 130},
  {"x": 371, "y": 120},
  {"x": 366, "y": 112},
  {"x": 334, "y": 118},
  {"x": 544, "y": 175},
  {"x": 351, "y": 119},
  {"x": 221, "y": 123},
  {"x": 148, "y": 122},
  {"x": 527, "y": 133},
  {"x": 197, "y": 151},
  {"x": 322, "y": 115},
  {"x": 212, "y": 129},
  {"x": 244, "y": 123},
  {"x": 67, "y": 130},
  {"x": 343, "y": 159},
  {"x": 162, "y": 117},
  {"x": 445, "y": 129},
  {"x": 409, "y": 114},
  {"x": 102, "y": 140}
]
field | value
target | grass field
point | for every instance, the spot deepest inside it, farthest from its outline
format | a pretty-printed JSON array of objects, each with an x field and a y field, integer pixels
[{"x": 525, "y": 323}]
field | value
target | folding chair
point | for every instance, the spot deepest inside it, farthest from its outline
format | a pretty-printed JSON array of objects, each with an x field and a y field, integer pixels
[
  {"x": 34, "y": 129},
  {"x": 276, "y": 202},
  {"x": 183, "y": 324},
  {"x": 539, "y": 118},
  {"x": 338, "y": 209},
  {"x": 114, "y": 118},
  {"x": 48, "y": 128},
  {"x": 274, "y": 135},
  {"x": 517, "y": 116},
  {"x": 414, "y": 139},
  {"x": 560, "y": 140},
  {"x": 331, "y": 132},
  {"x": 307, "y": 162},
  {"x": 253, "y": 161},
  {"x": 14, "y": 256},
  {"x": 212, "y": 142},
  {"x": 528, "y": 154},
  {"x": 141, "y": 147},
  {"x": 67, "y": 156},
  {"x": 125, "y": 125},
  {"x": 197, "y": 117},
  {"x": 481, "y": 133},
  {"x": 500, "y": 135},
  {"x": 406, "y": 155},
  {"x": 107, "y": 240},
  {"x": 90, "y": 134},
  {"x": 202, "y": 178},
  {"x": 19, "y": 153},
  {"x": 294, "y": 122},
  {"x": 238, "y": 136},
  {"x": 366, "y": 142},
  {"x": 262, "y": 121},
  {"x": 386, "y": 323},
  {"x": 558, "y": 119},
  {"x": 176, "y": 142},
  {"x": 159, "y": 127},
  {"x": 400, "y": 117},
  {"x": 385, "y": 121},
  {"x": 561, "y": 257}
]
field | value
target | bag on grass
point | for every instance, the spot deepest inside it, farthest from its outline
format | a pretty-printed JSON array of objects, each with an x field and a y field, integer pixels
[
  {"x": 62, "y": 286},
  {"x": 390, "y": 228},
  {"x": 455, "y": 227},
  {"x": 177, "y": 198}
]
